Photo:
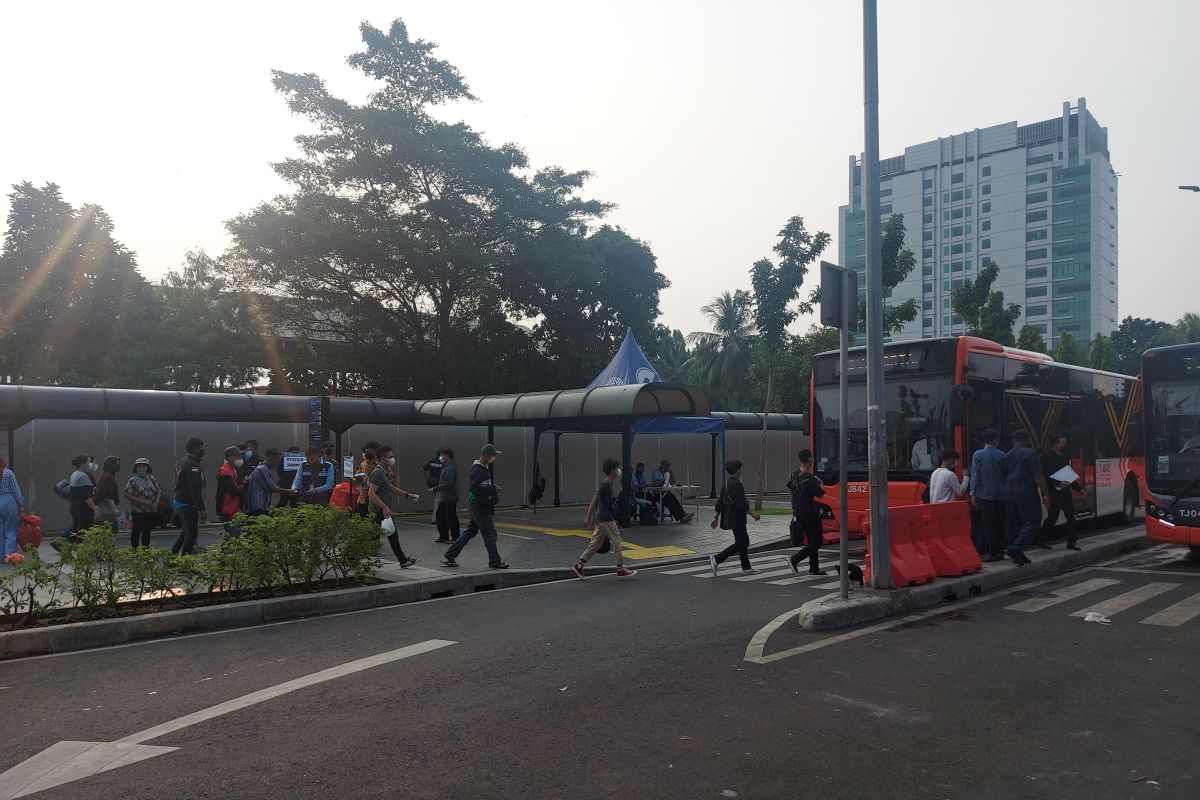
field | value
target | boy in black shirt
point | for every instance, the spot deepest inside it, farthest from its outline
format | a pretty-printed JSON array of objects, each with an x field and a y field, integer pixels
[
  {"x": 806, "y": 487},
  {"x": 603, "y": 511},
  {"x": 732, "y": 508}
]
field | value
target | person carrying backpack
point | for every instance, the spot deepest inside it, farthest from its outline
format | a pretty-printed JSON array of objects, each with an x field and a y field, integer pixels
[
  {"x": 806, "y": 487},
  {"x": 603, "y": 510},
  {"x": 731, "y": 511}
]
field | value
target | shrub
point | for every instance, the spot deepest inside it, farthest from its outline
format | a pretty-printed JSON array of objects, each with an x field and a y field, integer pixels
[{"x": 31, "y": 589}]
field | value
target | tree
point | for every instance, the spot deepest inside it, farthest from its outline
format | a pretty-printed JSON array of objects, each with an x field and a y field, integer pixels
[
  {"x": 1102, "y": 354},
  {"x": 721, "y": 357},
  {"x": 667, "y": 351},
  {"x": 74, "y": 300},
  {"x": 402, "y": 229},
  {"x": 1030, "y": 338},
  {"x": 897, "y": 262},
  {"x": 1132, "y": 338},
  {"x": 795, "y": 371},
  {"x": 984, "y": 310},
  {"x": 1068, "y": 350},
  {"x": 775, "y": 290}
]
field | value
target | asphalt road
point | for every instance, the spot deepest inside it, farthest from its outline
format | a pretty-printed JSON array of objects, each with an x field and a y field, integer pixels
[{"x": 640, "y": 688}]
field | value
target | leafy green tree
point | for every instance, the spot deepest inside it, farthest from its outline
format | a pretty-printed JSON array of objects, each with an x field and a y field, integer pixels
[
  {"x": 795, "y": 372},
  {"x": 897, "y": 262},
  {"x": 721, "y": 357},
  {"x": 776, "y": 288},
  {"x": 1030, "y": 338},
  {"x": 402, "y": 228},
  {"x": 983, "y": 310},
  {"x": 74, "y": 304},
  {"x": 1069, "y": 351},
  {"x": 1132, "y": 338},
  {"x": 667, "y": 351},
  {"x": 1102, "y": 354}
]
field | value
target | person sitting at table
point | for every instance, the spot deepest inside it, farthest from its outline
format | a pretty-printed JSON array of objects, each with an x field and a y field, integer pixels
[{"x": 663, "y": 478}]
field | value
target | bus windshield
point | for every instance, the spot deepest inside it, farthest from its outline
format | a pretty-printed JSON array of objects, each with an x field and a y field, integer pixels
[
  {"x": 1173, "y": 425},
  {"x": 917, "y": 426}
]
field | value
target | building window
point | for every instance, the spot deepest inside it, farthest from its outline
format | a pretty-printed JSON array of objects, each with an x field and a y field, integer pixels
[
  {"x": 1035, "y": 273},
  {"x": 967, "y": 193},
  {"x": 967, "y": 229},
  {"x": 985, "y": 189},
  {"x": 927, "y": 183},
  {"x": 987, "y": 172},
  {"x": 1040, "y": 160},
  {"x": 946, "y": 215},
  {"x": 956, "y": 195},
  {"x": 967, "y": 265},
  {"x": 957, "y": 230},
  {"x": 927, "y": 269},
  {"x": 946, "y": 268},
  {"x": 956, "y": 213},
  {"x": 927, "y": 305},
  {"x": 985, "y": 244},
  {"x": 927, "y": 217},
  {"x": 956, "y": 249},
  {"x": 1035, "y": 216},
  {"x": 1036, "y": 311},
  {"x": 885, "y": 192},
  {"x": 1035, "y": 254},
  {"x": 946, "y": 321},
  {"x": 985, "y": 226},
  {"x": 945, "y": 249},
  {"x": 946, "y": 302},
  {"x": 985, "y": 208},
  {"x": 946, "y": 232},
  {"x": 946, "y": 288},
  {"x": 1035, "y": 291},
  {"x": 927, "y": 236},
  {"x": 956, "y": 266},
  {"x": 967, "y": 211},
  {"x": 927, "y": 288},
  {"x": 927, "y": 201},
  {"x": 885, "y": 209},
  {"x": 946, "y": 197},
  {"x": 1035, "y": 197},
  {"x": 957, "y": 320},
  {"x": 1035, "y": 180},
  {"x": 956, "y": 178},
  {"x": 986, "y": 261},
  {"x": 957, "y": 282},
  {"x": 1041, "y": 328},
  {"x": 967, "y": 247},
  {"x": 927, "y": 322},
  {"x": 927, "y": 252},
  {"x": 1036, "y": 236}
]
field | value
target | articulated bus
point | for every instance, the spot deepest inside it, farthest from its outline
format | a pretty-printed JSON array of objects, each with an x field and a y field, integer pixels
[
  {"x": 943, "y": 393},
  {"x": 1171, "y": 383}
]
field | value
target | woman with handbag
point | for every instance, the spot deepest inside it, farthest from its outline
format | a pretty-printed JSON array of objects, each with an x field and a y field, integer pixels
[{"x": 12, "y": 507}]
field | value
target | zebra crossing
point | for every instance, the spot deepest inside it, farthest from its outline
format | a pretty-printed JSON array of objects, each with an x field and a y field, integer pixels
[
  {"x": 772, "y": 570},
  {"x": 1183, "y": 602}
]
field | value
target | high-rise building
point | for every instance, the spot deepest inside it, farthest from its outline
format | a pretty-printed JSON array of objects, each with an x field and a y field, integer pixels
[{"x": 1038, "y": 200}]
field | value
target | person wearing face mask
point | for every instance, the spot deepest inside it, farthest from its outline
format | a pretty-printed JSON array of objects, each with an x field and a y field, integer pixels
[
  {"x": 80, "y": 490},
  {"x": 313, "y": 483},
  {"x": 379, "y": 494},
  {"x": 107, "y": 496},
  {"x": 483, "y": 497},
  {"x": 143, "y": 493},
  {"x": 250, "y": 458},
  {"x": 603, "y": 511},
  {"x": 445, "y": 497},
  {"x": 189, "y": 496},
  {"x": 230, "y": 484}
]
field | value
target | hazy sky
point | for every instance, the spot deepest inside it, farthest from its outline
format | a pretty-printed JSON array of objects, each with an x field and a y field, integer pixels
[{"x": 708, "y": 124}]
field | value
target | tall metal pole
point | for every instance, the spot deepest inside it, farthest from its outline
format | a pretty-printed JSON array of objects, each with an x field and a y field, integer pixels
[
  {"x": 849, "y": 295},
  {"x": 881, "y": 565}
]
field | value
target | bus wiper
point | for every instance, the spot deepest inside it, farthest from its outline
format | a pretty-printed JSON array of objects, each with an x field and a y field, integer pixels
[{"x": 1183, "y": 492}]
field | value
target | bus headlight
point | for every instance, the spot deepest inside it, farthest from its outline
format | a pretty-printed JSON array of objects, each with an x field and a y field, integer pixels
[{"x": 1159, "y": 513}]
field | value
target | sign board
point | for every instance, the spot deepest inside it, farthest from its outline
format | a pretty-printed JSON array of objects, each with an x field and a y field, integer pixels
[
  {"x": 836, "y": 283},
  {"x": 316, "y": 420},
  {"x": 348, "y": 466},
  {"x": 292, "y": 461}
]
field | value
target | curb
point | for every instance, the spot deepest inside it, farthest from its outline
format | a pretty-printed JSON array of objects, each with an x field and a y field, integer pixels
[
  {"x": 870, "y": 605},
  {"x": 248, "y": 613}
]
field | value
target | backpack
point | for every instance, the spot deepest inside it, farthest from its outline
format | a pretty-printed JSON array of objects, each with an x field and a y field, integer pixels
[{"x": 725, "y": 508}]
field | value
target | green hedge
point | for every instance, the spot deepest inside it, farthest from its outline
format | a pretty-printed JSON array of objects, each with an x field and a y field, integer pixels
[{"x": 280, "y": 553}]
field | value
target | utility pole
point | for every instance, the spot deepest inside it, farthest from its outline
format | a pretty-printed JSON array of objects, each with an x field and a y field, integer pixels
[{"x": 881, "y": 564}]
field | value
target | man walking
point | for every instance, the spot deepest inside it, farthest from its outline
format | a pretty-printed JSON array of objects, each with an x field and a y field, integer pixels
[
  {"x": 1023, "y": 483},
  {"x": 732, "y": 508},
  {"x": 431, "y": 470},
  {"x": 806, "y": 487},
  {"x": 1061, "y": 499},
  {"x": 379, "y": 496},
  {"x": 987, "y": 496},
  {"x": 483, "y": 496},
  {"x": 189, "y": 496},
  {"x": 944, "y": 485},
  {"x": 445, "y": 497},
  {"x": 602, "y": 510}
]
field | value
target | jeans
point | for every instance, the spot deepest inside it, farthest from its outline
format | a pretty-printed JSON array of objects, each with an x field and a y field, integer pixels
[
  {"x": 10, "y": 518},
  {"x": 813, "y": 538},
  {"x": 604, "y": 530},
  {"x": 1060, "y": 500},
  {"x": 189, "y": 529},
  {"x": 741, "y": 546},
  {"x": 1024, "y": 512},
  {"x": 991, "y": 528},
  {"x": 447, "y": 519},
  {"x": 143, "y": 523},
  {"x": 483, "y": 522}
]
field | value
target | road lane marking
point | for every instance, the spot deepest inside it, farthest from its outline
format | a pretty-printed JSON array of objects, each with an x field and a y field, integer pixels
[
  {"x": 805, "y": 578},
  {"x": 1176, "y": 615},
  {"x": 1063, "y": 594},
  {"x": 1124, "y": 602},
  {"x": 762, "y": 576},
  {"x": 69, "y": 761}
]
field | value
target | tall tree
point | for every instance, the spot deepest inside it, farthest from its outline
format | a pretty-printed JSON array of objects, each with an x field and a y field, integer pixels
[
  {"x": 667, "y": 350},
  {"x": 1102, "y": 354},
  {"x": 401, "y": 226},
  {"x": 73, "y": 298},
  {"x": 721, "y": 356},
  {"x": 1030, "y": 338},
  {"x": 983, "y": 310},
  {"x": 796, "y": 371},
  {"x": 1069, "y": 351},
  {"x": 1132, "y": 338},
  {"x": 776, "y": 288}
]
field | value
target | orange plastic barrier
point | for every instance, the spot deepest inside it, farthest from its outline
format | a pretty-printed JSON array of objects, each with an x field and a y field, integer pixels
[
  {"x": 910, "y": 562},
  {"x": 947, "y": 539}
]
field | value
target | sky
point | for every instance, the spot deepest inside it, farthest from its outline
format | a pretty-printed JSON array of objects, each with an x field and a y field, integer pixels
[{"x": 707, "y": 124}]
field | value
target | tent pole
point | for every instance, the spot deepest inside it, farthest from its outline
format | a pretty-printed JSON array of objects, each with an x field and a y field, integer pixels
[
  {"x": 557, "y": 469},
  {"x": 626, "y": 475},
  {"x": 712, "y": 465}
]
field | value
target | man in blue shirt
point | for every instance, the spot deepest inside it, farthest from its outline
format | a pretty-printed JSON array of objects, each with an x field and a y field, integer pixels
[
  {"x": 314, "y": 480},
  {"x": 1024, "y": 483},
  {"x": 987, "y": 496}
]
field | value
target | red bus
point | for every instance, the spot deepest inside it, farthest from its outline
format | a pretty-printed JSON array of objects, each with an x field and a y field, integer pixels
[
  {"x": 945, "y": 392},
  {"x": 1171, "y": 382}
]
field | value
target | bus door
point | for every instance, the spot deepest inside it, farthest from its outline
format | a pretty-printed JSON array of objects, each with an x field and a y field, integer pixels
[{"x": 985, "y": 406}]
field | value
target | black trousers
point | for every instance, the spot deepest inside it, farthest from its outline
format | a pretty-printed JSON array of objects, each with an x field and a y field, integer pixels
[
  {"x": 993, "y": 534},
  {"x": 741, "y": 546},
  {"x": 1060, "y": 500},
  {"x": 143, "y": 524},
  {"x": 447, "y": 519},
  {"x": 673, "y": 506},
  {"x": 813, "y": 538},
  {"x": 81, "y": 520},
  {"x": 393, "y": 539}
]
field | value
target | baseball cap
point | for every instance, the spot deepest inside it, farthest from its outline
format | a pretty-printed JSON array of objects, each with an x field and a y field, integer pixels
[
  {"x": 142, "y": 462},
  {"x": 489, "y": 450},
  {"x": 233, "y": 450}
]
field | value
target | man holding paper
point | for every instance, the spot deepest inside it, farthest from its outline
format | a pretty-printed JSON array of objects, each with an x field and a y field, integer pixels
[{"x": 1060, "y": 477}]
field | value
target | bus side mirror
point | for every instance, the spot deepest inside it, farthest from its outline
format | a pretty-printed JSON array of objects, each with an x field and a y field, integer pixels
[{"x": 958, "y": 402}]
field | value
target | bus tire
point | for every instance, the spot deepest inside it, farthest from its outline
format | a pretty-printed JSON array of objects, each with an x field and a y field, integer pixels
[{"x": 1129, "y": 503}]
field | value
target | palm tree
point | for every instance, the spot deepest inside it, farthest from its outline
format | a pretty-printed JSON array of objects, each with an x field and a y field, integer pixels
[
  {"x": 1185, "y": 331},
  {"x": 720, "y": 361}
]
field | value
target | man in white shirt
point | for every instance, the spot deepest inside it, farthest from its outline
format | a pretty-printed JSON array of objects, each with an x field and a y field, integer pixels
[{"x": 944, "y": 484}]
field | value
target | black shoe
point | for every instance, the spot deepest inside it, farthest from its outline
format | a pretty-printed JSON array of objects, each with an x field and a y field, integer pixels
[
  {"x": 449, "y": 562},
  {"x": 501, "y": 565},
  {"x": 441, "y": 541},
  {"x": 989, "y": 559},
  {"x": 1073, "y": 546},
  {"x": 1017, "y": 556},
  {"x": 817, "y": 572},
  {"x": 1045, "y": 546}
]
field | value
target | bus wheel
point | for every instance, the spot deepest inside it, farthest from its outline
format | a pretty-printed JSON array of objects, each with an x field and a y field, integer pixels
[{"x": 1129, "y": 504}]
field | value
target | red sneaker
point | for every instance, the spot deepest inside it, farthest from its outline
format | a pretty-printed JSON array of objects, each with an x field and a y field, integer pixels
[{"x": 625, "y": 573}]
